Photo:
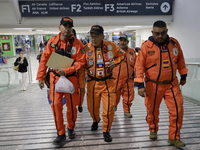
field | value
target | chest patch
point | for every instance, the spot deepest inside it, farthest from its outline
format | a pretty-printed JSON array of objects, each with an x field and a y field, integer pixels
[
  {"x": 73, "y": 50},
  {"x": 89, "y": 53},
  {"x": 99, "y": 61},
  {"x": 110, "y": 55},
  {"x": 165, "y": 63},
  {"x": 90, "y": 62},
  {"x": 131, "y": 58},
  {"x": 109, "y": 47},
  {"x": 151, "y": 53}
]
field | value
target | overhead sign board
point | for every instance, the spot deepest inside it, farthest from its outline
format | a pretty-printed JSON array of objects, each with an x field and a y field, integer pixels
[{"x": 95, "y": 8}]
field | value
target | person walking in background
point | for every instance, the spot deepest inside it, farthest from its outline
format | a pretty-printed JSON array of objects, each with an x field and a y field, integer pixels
[
  {"x": 123, "y": 77},
  {"x": 137, "y": 49},
  {"x": 1, "y": 52},
  {"x": 45, "y": 43},
  {"x": 101, "y": 57},
  {"x": 159, "y": 59},
  {"x": 39, "y": 55},
  {"x": 23, "y": 64},
  {"x": 65, "y": 45},
  {"x": 41, "y": 45}
]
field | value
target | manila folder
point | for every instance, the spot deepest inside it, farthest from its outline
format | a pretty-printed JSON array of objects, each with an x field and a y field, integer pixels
[{"x": 58, "y": 61}]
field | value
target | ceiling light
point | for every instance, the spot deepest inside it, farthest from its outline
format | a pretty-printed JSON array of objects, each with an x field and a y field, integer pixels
[
  {"x": 39, "y": 30},
  {"x": 22, "y": 28}
]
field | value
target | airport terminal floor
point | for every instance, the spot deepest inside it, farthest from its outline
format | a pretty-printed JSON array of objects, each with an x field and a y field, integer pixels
[{"x": 27, "y": 123}]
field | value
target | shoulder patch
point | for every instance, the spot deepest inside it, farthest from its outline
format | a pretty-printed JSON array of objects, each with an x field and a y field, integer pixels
[
  {"x": 52, "y": 45},
  {"x": 173, "y": 42}
]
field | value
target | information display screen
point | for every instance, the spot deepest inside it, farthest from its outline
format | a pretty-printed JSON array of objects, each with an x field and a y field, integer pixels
[{"x": 95, "y": 8}]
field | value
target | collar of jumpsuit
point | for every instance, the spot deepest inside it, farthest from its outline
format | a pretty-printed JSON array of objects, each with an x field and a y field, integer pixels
[{"x": 166, "y": 41}]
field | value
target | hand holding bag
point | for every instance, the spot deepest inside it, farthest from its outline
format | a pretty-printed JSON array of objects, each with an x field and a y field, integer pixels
[
  {"x": 64, "y": 85},
  {"x": 16, "y": 67}
]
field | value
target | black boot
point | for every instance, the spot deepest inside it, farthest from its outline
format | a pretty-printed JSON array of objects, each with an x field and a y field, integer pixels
[
  {"x": 71, "y": 133},
  {"x": 80, "y": 109},
  {"x": 59, "y": 139},
  {"x": 94, "y": 126},
  {"x": 107, "y": 137}
]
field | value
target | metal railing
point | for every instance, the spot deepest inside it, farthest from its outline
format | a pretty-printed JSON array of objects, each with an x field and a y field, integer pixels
[
  {"x": 6, "y": 69},
  {"x": 192, "y": 63},
  {"x": 192, "y": 86}
]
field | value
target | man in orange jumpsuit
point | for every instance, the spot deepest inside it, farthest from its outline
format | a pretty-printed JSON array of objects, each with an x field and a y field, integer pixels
[
  {"x": 63, "y": 44},
  {"x": 101, "y": 57},
  {"x": 123, "y": 77},
  {"x": 159, "y": 59}
]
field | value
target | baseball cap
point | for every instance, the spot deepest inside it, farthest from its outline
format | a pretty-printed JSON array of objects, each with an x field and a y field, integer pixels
[
  {"x": 65, "y": 20},
  {"x": 123, "y": 36},
  {"x": 97, "y": 29}
]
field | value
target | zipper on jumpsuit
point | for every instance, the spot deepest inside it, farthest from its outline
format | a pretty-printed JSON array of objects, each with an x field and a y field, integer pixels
[
  {"x": 151, "y": 66},
  {"x": 157, "y": 86}
]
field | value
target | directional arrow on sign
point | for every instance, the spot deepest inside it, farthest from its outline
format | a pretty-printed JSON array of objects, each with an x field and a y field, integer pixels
[{"x": 165, "y": 7}]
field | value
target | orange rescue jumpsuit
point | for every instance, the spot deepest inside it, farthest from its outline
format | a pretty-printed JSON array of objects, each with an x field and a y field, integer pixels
[
  {"x": 100, "y": 82},
  {"x": 77, "y": 53},
  {"x": 160, "y": 64},
  {"x": 123, "y": 80}
]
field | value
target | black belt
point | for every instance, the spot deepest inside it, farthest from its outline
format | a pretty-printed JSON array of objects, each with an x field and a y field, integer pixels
[
  {"x": 56, "y": 74},
  {"x": 159, "y": 82},
  {"x": 101, "y": 79}
]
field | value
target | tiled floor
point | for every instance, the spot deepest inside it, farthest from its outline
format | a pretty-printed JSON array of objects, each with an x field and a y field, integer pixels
[{"x": 26, "y": 122}]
